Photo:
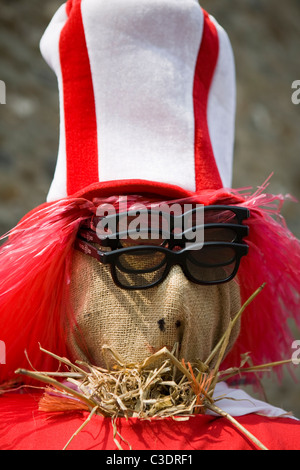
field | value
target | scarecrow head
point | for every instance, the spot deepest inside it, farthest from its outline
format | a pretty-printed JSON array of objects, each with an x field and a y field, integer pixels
[{"x": 147, "y": 116}]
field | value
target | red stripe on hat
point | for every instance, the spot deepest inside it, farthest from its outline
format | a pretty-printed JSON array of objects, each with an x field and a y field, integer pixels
[
  {"x": 206, "y": 172},
  {"x": 69, "y": 6},
  {"x": 79, "y": 103}
]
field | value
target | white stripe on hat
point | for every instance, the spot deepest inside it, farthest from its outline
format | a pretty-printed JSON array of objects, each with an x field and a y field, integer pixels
[
  {"x": 49, "y": 46},
  {"x": 221, "y": 108},
  {"x": 143, "y": 75}
]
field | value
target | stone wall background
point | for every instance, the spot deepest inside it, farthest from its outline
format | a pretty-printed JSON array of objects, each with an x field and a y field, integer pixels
[{"x": 266, "y": 40}]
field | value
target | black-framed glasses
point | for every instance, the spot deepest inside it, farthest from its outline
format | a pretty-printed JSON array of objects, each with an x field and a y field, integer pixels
[
  {"x": 141, "y": 257},
  {"x": 143, "y": 267}
]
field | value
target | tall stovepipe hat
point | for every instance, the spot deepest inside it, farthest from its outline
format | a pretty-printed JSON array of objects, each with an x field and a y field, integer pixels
[
  {"x": 147, "y": 97},
  {"x": 147, "y": 107}
]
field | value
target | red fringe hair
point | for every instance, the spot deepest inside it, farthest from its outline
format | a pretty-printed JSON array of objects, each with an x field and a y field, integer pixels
[{"x": 35, "y": 267}]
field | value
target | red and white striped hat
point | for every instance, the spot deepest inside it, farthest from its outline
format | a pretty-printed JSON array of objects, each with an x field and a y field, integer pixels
[{"x": 147, "y": 97}]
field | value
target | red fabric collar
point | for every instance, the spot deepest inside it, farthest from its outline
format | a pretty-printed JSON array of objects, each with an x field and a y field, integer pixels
[{"x": 24, "y": 427}]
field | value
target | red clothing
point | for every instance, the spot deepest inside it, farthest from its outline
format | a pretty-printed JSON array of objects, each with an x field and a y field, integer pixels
[{"x": 24, "y": 427}]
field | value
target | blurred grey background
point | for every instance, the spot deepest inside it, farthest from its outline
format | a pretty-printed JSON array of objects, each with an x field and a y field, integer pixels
[{"x": 265, "y": 36}]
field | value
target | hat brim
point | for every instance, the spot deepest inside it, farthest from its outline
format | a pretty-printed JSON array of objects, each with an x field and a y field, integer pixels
[
  {"x": 156, "y": 189},
  {"x": 148, "y": 188},
  {"x": 120, "y": 187}
]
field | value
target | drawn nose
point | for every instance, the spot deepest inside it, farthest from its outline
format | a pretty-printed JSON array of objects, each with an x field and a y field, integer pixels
[{"x": 170, "y": 298}]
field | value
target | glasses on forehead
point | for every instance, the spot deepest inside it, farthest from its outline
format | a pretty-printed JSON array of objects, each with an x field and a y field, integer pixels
[
  {"x": 171, "y": 216},
  {"x": 158, "y": 227},
  {"x": 211, "y": 232},
  {"x": 144, "y": 262},
  {"x": 142, "y": 267}
]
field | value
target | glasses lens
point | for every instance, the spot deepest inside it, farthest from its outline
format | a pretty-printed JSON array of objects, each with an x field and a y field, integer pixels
[
  {"x": 220, "y": 216},
  {"x": 212, "y": 255},
  {"x": 141, "y": 261},
  {"x": 219, "y": 234},
  {"x": 145, "y": 228},
  {"x": 141, "y": 269},
  {"x": 211, "y": 263},
  {"x": 127, "y": 242},
  {"x": 138, "y": 281}
]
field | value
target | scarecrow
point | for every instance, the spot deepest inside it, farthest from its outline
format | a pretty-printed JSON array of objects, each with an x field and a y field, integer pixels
[{"x": 107, "y": 275}]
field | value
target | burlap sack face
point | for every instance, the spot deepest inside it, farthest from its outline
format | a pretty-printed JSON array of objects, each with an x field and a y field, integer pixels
[{"x": 138, "y": 323}]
